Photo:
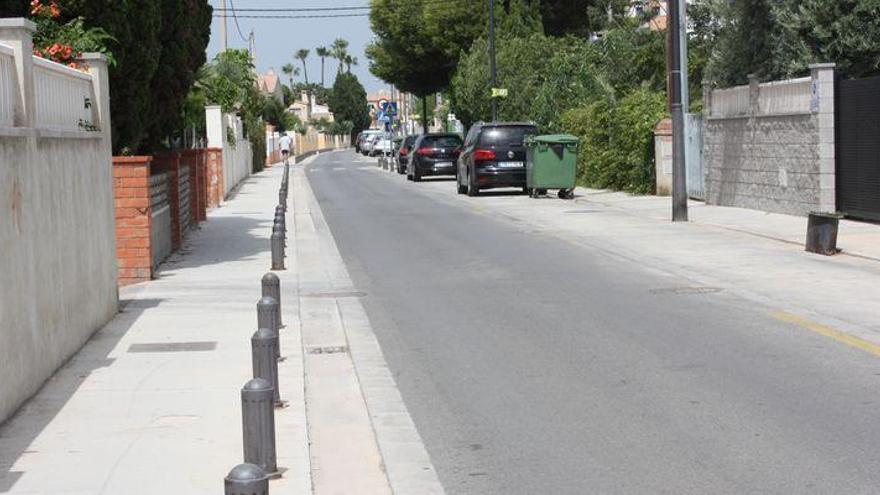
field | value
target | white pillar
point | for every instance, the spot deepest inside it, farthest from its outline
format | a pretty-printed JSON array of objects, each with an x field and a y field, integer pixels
[
  {"x": 97, "y": 64},
  {"x": 17, "y": 33},
  {"x": 214, "y": 126},
  {"x": 822, "y": 104}
]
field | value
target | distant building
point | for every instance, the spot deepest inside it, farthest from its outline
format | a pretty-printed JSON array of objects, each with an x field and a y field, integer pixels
[
  {"x": 300, "y": 108},
  {"x": 270, "y": 85}
]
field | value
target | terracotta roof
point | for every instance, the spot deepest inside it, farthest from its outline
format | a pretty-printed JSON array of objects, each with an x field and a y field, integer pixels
[{"x": 268, "y": 82}]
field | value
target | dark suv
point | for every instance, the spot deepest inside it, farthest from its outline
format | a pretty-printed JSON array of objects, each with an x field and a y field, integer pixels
[
  {"x": 404, "y": 152},
  {"x": 433, "y": 154},
  {"x": 493, "y": 156}
]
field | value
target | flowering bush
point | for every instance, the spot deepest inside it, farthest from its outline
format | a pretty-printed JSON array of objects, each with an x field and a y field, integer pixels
[{"x": 64, "y": 42}]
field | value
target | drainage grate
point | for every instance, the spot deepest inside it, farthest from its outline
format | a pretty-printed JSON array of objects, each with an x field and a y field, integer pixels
[
  {"x": 334, "y": 294},
  {"x": 686, "y": 291},
  {"x": 173, "y": 347},
  {"x": 334, "y": 349}
]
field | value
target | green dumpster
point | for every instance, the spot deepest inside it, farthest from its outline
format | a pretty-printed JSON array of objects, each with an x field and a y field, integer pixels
[{"x": 551, "y": 163}]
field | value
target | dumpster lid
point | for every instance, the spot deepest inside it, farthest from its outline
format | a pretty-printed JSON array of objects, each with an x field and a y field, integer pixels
[{"x": 554, "y": 139}]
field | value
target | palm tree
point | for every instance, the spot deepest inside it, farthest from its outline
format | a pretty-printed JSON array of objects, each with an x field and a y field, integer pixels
[
  {"x": 349, "y": 61},
  {"x": 290, "y": 71},
  {"x": 302, "y": 54},
  {"x": 322, "y": 52},
  {"x": 339, "y": 49}
]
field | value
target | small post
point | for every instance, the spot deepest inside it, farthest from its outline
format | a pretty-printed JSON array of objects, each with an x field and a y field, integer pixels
[
  {"x": 277, "y": 251},
  {"x": 258, "y": 425},
  {"x": 246, "y": 479},
  {"x": 282, "y": 200},
  {"x": 267, "y": 311},
  {"x": 272, "y": 288},
  {"x": 264, "y": 343}
]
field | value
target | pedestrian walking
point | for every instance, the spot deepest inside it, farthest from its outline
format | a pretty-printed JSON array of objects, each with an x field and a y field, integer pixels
[{"x": 285, "y": 143}]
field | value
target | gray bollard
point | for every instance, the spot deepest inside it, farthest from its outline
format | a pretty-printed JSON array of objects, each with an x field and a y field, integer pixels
[
  {"x": 267, "y": 317},
  {"x": 279, "y": 219},
  {"x": 271, "y": 285},
  {"x": 277, "y": 250},
  {"x": 258, "y": 425},
  {"x": 246, "y": 479},
  {"x": 264, "y": 343},
  {"x": 282, "y": 200}
]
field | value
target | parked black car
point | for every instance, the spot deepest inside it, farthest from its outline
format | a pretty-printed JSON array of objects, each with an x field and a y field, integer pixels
[
  {"x": 493, "y": 156},
  {"x": 433, "y": 154},
  {"x": 404, "y": 153}
]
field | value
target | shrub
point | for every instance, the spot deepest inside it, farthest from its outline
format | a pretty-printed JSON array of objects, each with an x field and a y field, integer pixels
[{"x": 617, "y": 141}]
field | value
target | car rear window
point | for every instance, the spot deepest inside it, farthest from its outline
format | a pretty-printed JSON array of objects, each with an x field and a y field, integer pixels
[
  {"x": 506, "y": 135},
  {"x": 409, "y": 140},
  {"x": 441, "y": 141}
]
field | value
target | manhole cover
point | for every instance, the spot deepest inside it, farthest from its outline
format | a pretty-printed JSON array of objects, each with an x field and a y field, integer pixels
[
  {"x": 334, "y": 294},
  {"x": 686, "y": 291},
  {"x": 335, "y": 349},
  {"x": 173, "y": 347}
]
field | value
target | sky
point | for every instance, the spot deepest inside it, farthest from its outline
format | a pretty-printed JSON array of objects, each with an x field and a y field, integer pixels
[{"x": 278, "y": 39}]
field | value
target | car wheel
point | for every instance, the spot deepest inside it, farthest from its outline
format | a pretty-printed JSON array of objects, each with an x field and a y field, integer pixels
[
  {"x": 472, "y": 189},
  {"x": 417, "y": 177}
]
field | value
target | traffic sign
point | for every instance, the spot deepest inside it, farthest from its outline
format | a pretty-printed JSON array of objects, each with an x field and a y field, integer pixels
[{"x": 389, "y": 108}]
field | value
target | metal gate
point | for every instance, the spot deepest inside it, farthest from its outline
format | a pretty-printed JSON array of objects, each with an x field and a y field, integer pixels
[{"x": 857, "y": 143}]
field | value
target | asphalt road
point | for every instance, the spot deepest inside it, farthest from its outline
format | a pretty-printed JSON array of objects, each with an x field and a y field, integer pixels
[{"x": 536, "y": 366}]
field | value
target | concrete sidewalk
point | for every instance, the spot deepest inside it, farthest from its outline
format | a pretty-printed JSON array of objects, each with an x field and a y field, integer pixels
[
  {"x": 855, "y": 238},
  {"x": 152, "y": 404}
]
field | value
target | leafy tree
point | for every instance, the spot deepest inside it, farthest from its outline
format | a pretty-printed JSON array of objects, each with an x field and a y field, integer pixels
[
  {"x": 348, "y": 102},
  {"x": 846, "y": 32},
  {"x": 186, "y": 29}
]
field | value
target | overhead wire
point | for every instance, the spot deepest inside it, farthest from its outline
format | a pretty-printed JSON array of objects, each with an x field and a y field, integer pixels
[{"x": 237, "y": 27}]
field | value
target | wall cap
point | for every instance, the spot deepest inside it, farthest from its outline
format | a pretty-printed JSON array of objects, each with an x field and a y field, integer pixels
[
  {"x": 827, "y": 65},
  {"x": 18, "y": 23},
  {"x": 132, "y": 160}
]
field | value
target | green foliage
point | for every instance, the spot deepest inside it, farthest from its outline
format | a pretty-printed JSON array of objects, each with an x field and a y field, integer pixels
[
  {"x": 348, "y": 102},
  {"x": 186, "y": 29},
  {"x": 63, "y": 42},
  {"x": 545, "y": 76},
  {"x": 228, "y": 79},
  {"x": 617, "y": 140}
]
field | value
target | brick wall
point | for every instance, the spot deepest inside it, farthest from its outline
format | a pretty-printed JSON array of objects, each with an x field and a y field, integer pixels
[
  {"x": 131, "y": 194},
  {"x": 214, "y": 176}
]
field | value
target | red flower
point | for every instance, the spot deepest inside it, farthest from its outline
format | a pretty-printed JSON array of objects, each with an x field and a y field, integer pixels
[
  {"x": 54, "y": 49},
  {"x": 36, "y": 7},
  {"x": 55, "y": 11}
]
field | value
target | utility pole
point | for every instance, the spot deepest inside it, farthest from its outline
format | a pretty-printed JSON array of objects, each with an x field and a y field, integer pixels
[
  {"x": 223, "y": 25},
  {"x": 492, "y": 57},
  {"x": 252, "y": 47},
  {"x": 679, "y": 179}
]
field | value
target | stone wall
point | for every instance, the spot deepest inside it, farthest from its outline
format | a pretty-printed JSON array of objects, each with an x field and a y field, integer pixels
[{"x": 770, "y": 146}]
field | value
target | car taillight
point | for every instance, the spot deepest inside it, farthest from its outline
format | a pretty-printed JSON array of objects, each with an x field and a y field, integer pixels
[
  {"x": 484, "y": 155},
  {"x": 404, "y": 151},
  {"x": 425, "y": 151}
]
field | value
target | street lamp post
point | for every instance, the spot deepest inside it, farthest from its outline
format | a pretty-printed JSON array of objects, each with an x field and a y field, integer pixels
[
  {"x": 492, "y": 57},
  {"x": 679, "y": 180}
]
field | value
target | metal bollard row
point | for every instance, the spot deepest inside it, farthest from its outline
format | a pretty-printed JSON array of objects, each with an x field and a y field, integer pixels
[{"x": 262, "y": 394}]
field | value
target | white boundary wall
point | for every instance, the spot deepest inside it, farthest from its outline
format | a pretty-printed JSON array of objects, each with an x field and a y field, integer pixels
[
  {"x": 237, "y": 155},
  {"x": 57, "y": 230}
]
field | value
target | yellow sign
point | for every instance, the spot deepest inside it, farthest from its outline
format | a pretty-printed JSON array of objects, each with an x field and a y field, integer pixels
[{"x": 499, "y": 92}]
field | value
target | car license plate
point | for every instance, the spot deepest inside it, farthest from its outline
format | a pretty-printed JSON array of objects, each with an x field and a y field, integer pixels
[
  {"x": 443, "y": 164},
  {"x": 510, "y": 164}
]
